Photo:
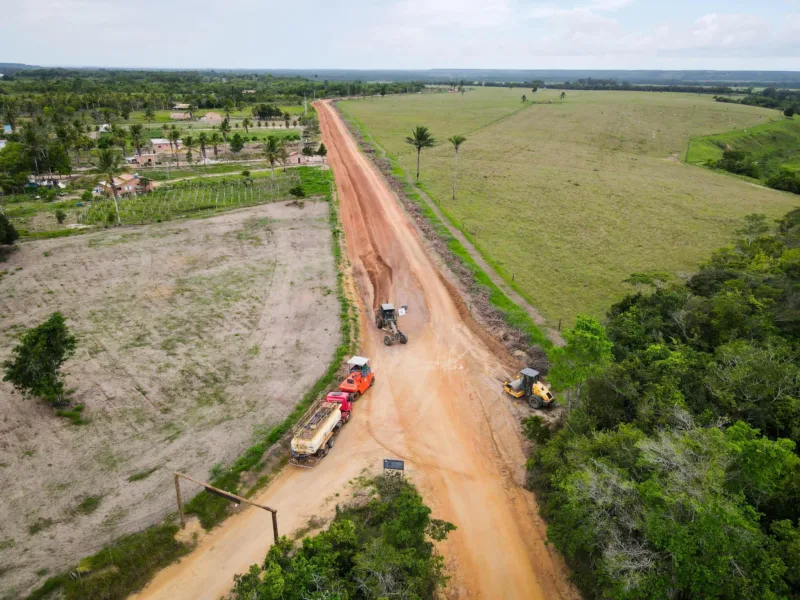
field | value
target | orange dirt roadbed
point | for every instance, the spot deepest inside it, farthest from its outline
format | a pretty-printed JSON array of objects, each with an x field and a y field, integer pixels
[{"x": 437, "y": 404}]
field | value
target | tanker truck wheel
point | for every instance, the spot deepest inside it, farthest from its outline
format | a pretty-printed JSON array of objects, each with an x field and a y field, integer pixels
[
  {"x": 403, "y": 338},
  {"x": 355, "y": 396},
  {"x": 387, "y": 340}
]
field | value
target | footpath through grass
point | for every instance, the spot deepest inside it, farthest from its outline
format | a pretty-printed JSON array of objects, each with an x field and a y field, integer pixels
[{"x": 127, "y": 565}]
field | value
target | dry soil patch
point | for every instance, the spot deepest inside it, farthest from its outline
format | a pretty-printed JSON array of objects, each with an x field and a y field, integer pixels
[{"x": 193, "y": 337}]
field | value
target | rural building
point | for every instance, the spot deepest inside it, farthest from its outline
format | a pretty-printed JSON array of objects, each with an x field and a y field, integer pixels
[
  {"x": 211, "y": 117},
  {"x": 248, "y": 91},
  {"x": 180, "y": 116},
  {"x": 143, "y": 160},
  {"x": 7, "y": 129},
  {"x": 126, "y": 185},
  {"x": 162, "y": 146},
  {"x": 104, "y": 128},
  {"x": 180, "y": 106},
  {"x": 2, "y": 144}
]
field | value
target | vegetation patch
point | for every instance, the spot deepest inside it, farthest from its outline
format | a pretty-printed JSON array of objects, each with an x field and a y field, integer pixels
[
  {"x": 118, "y": 570},
  {"x": 379, "y": 547},
  {"x": 683, "y": 431}
]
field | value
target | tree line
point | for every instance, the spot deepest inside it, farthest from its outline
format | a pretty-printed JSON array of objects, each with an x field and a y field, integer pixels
[{"x": 676, "y": 472}]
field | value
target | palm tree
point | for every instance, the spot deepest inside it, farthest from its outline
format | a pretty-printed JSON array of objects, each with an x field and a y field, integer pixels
[
  {"x": 215, "y": 141},
  {"x": 283, "y": 154},
  {"x": 456, "y": 140},
  {"x": 108, "y": 165},
  {"x": 33, "y": 142},
  {"x": 174, "y": 137},
  {"x": 188, "y": 143},
  {"x": 225, "y": 128},
  {"x": 247, "y": 123},
  {"x": 202, "y": 141},
  {"x": 149, "y": 115},
  {"x": 272, "y": 152},
  {"x": 136, "y": 137},
  {"x": 420, "y": 138}
]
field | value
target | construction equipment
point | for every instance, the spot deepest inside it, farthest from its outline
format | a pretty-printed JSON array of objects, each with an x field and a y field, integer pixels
[
  {"x": 359, "y": 379},
  {"x": 386, "y": 320},
  {"x": 317, "y": 433},
  {"x": 528, "y": 385}
]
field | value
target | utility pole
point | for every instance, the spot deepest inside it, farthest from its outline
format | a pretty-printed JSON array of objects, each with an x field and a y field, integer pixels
[{"x": 222, "y": 494}]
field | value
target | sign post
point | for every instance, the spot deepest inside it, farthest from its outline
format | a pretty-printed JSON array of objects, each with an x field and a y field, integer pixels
[{"x": 390, "y": 464}]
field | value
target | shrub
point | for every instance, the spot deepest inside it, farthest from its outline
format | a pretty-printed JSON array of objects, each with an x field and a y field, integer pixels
[
  {"x": 245, "y": 173},
  {"x": 785, "y": 180},
  {"x": 8, "y": 234},
  {"x": 297, "y": 191},
  {"x": 60, "y": 216}
]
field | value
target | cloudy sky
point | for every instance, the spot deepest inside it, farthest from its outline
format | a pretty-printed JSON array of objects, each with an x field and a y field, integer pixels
[{"x": 411, "y": 34}]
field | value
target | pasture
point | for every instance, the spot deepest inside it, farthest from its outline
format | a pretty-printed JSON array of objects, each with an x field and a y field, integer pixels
[
  {"x": 187, "y": 349},
  {"x": 567, "y": 199}
]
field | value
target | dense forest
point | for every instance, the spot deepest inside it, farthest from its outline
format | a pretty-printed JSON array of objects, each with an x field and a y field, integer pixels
[
  {"x": 676, "y": 473},
  {"x": 379, "y": 547},
  {"x": 126, "y": 91}
]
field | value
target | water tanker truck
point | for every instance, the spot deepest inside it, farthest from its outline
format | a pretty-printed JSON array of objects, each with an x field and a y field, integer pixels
[{"x": 317, "y": 432}]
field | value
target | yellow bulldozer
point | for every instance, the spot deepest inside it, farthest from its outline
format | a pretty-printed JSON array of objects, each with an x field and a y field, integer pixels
[{"x": 528, "y": 385}]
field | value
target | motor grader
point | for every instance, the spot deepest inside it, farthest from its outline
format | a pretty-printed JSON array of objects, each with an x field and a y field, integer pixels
[
  {"x": 386, "y": 320},
  {"x": 528, "y": 385}
]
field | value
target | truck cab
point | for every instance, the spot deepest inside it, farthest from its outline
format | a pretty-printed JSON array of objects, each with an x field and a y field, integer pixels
[
  {"x": 343, "y": 400},
  {"x": 359, "y": 379}
]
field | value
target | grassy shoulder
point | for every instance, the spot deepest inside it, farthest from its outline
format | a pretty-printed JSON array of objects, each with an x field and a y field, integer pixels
[
  {"x": 129, "y": 563},
  {"x": 513, "y": 315}
]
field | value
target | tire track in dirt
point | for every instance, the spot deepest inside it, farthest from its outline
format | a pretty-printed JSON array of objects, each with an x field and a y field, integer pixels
[{"x": 436, "y": 402}]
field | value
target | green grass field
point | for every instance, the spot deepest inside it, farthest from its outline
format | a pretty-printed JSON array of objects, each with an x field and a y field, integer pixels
[
  {"x": 774, "y": 145},
  {"x": 569, "y": 199}
]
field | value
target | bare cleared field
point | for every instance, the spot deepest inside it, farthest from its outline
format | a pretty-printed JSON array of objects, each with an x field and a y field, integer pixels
[
  {"x": 193, "y": 336},
  {"x": 569, "y": 198}
]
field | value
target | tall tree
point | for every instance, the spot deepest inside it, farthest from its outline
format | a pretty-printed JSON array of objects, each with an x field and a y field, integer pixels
[
  {"x": 188, "y": 143},
  {"x": 247, "y": 124},
  {"x": 202, "y": 141},
  {"x": 174, "y": 138},
  {"x": 420, "y": 139},
  {"x": 108, "y": 163},
  {"x": 587, "y": 353},
  {"x": 136, "y": 137},
  {"x": 272, "y": 149},
  {"x": 35, "y": 368},
  {"x": 456, "y": 140},
  {"x": 149, "y": 115},
  {"x": 225, "y": 128},
  {"x": 215, "y": 140}
]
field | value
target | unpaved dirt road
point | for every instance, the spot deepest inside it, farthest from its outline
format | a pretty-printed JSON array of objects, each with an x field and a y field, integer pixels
[{"x": 436, "y": 403}]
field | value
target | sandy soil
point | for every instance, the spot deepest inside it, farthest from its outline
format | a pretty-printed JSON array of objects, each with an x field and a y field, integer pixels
[
  {"x": 436, "y": 403},
  {"x": 193, "y": 336}
]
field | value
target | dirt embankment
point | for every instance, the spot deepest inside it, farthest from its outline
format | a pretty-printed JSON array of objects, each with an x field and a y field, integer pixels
[
  {"x": 436, "y": 403},
  {"x": 192, "y": 335}
]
